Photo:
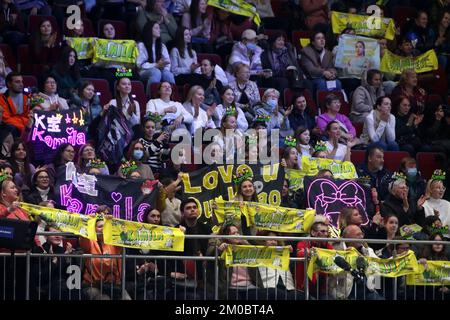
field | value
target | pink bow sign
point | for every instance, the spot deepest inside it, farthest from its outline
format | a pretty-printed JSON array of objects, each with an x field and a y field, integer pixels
[{"x": 328, "y": 197}]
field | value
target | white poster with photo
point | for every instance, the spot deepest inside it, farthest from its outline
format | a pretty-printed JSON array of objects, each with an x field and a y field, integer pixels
[{"x": 357, "y": 54}]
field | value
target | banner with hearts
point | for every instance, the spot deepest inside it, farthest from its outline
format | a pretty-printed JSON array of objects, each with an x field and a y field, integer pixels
[{"x": 83, "y": 193}]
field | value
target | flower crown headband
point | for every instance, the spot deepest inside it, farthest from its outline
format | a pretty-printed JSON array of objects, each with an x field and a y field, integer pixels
[
  {"x": 154, "y": 116},
  {"x": 290, "y": 141},
  {"x": 96, "y": 163},
  {"x": 438, "y": 175},
  {"x": 124, "y": 72},
  {"x": 262, "y": 118},
  {"x": 242, "y": 176},
  {"x": 230, "y": 111},
  {"x": 4, "y": 176},
  {"x": 320, "y": 146}
]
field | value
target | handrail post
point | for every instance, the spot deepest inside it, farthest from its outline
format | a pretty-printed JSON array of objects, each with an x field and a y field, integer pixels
[
  {"x": 124, "y": 256},
  {"x": 27, "y": 276},
  {"x": 216, "y": 273},
  {"x": 306, "y": 284}
]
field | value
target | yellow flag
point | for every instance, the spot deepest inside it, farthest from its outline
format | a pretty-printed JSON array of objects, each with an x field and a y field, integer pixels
[
  {"x": 295, "y": 178},
  {"x": 437, "y": 274},
  {"x": 340, "y": 169},
  {"x": 364, "y": 25},
  {"x": 79, "y": 224},
  {"x": 256, "y": 256},
  {"x": 106, "y": 50},
  {"x": 83, "y": 46},
  {"x": 394, "y": 267},
  {"x": 123, "y": 233},
  {"x": 239, "y": 7},
  {"x": 393, "y": 63}
]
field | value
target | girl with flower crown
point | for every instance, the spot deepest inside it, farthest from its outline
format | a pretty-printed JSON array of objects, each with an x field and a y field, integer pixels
[
  {"x": 434, "y": 204},
  {"x": 231, "y": 139},
  {"x": 290, "y": 154},
  {"x": 228, "y": 99}
]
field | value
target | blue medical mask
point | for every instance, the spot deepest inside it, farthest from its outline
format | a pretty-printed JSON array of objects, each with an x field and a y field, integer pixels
[
  {"x": 138, "y": 154},
  {"x": 411, "y": 172},
  {"x": 251, "y": 46},
  {"x": 272, "y": 103}
]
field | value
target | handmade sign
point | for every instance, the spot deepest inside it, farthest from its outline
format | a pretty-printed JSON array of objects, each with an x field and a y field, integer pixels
[
  {"x": 83, "y": 46},
  {"x": 329, "y": 196},
  {"x": 239, "y": 7},
  {"x": 437, "y": 274},
  {"x": 295, "y": 178},
  {"x": 122, "y": 233},
  {"x": 256, "y": 256},
  {"x": 407, "y": 231},
  {"x": 64, "y": 221},
  {"x": 363, "y": 25},
  {"x": 83, "y": 193},
  {"x": 393, "y": 63},
  {"x": 394, "y": 267},
  {"x": 357, "y": 55},
  {"x": 53, "y": 128},
  {"x": 322, "y": 260},
  {"x": 106, "y": 50},
  {"x": 213, "y": 181}
]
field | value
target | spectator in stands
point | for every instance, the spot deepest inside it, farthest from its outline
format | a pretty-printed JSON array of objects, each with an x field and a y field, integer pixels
[
  {"x": 173, "y": 111},
  {"x": 136, "y": 153},
  {"x": 420, "y": 33},
  {"x": 33, "y": 7},
  {"x": 199, "y": 21},
  {"x": 78, "y": 31},
  {"x": 44, "y": 48},
  {"x": 124, "y": 102},
  {"x": 435, "y": 128},
  {"x": 66, "y": 73},
  {"x": 435, "y": 204},
  {"x": 49, "y": 94},
  {"x": 201, "y": 113},
  {"x": 22, "y": 167},
  {"x": 41, "y": 188},
  {"x": 86, "y": 154},
  {"x": 247, "y": 52},
  {"x": 317, "y": 62},
  {"x": 155, "y": 11},
  {"x": 230, "y": 139},
  {"x": 6, "y": 137},
  {"x": 383, "y": 227},
  {"x": 221, "y": 35},
  {"x": 333, "y": 106},
  {"x": 406, "y": 127},
  {"x": 245, "y": 91},
  {"x": 349, "y": 216},
  {"x": 315, "y": 12},
  {"x": 399, "y": 204},
  {"x": 183, "y": 58},
  {"x": 379, "y": 126},
  {"x": 336, "y": 150},
  {"x": 12, "y": 28},
  {"x": 442, "y": 42},
  {"x": 301, "y": 114},
  {"x": 279, "y": 117},
  {"x": 181, "y": 6},
  {"x": 4, "y": 71},
  {"x": 102, "y": 277},
  {"x": 89, "y": 101},
  {"x": 171, "y": 214},
  {"x": 208, "y": 80},
  {"x": 408, "y": 87},
  {"x": 281, "y": 59},
  {"x": 290, "y": 158},
  {"x": 16, "y": 109},
  {"x": 303, "y": 142},
  {"x": 318, "y": 283},
  {"x": 406, "y": 48},
  {"x": 366, "y": 95},
  {"x": 228, "y": 99},
  {"x": 64, "y": 154},
  {"x": 155, "y": 144},
  {"x": 415, "y": 182},
  {"x": 373, "y": 168},
  {"x": 153, "y": 60}
]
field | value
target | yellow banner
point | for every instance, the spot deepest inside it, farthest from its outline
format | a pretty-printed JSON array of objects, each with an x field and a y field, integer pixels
[
  {"x": 322, "y": 260},
  {"x": 124, "y": 51},
  {"x": 123, "y": 233},
  {"x": 393, "y": 63},
  {"x": 304, "y": 42},
  {"x": 364, "y": 25},
  {"x": 228, "y": 211},
  {"x": 239, "y": 7},
  {"x": 278, "y": 219},
  {"x": 83, "y": 46},
  {"x": 394, "y": 267},
  {"x": 407, "y": 231},
  {"x": 79, "y": 224},
  {"x": 256, "y": 256},
  {"x": 295, "y": 178},
  {"x": 437, "y": 274}
]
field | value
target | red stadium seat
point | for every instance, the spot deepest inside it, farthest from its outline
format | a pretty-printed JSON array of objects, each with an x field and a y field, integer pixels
[
  {"x": 434, "y": 99},
  {"x": 427, "y": 162},
  {"x": 138, "y": 89},
  {"x": 271, "y": 32},
  {"x": 289, "y": 95},
  {"x": 10, "y": 59},
  {"x": 101, "y": 86},
  {"x": 30, "y": 82},
  {"x": 214, "y": 58},
  {"x": 23, "y": 61},
  {"x": 392, "y": 159},
  {"x": 236, "y": 30},
  {"x": 89, "y": 30},
  {"x": 359, "y": 128},
  {"x": 280, "y": 8},
  {"x": 119, "y": 26},
  {"x": 403, "y": 14},
  {"x": 300, "y": 34},
  {"x": 357, "y": 156}
]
